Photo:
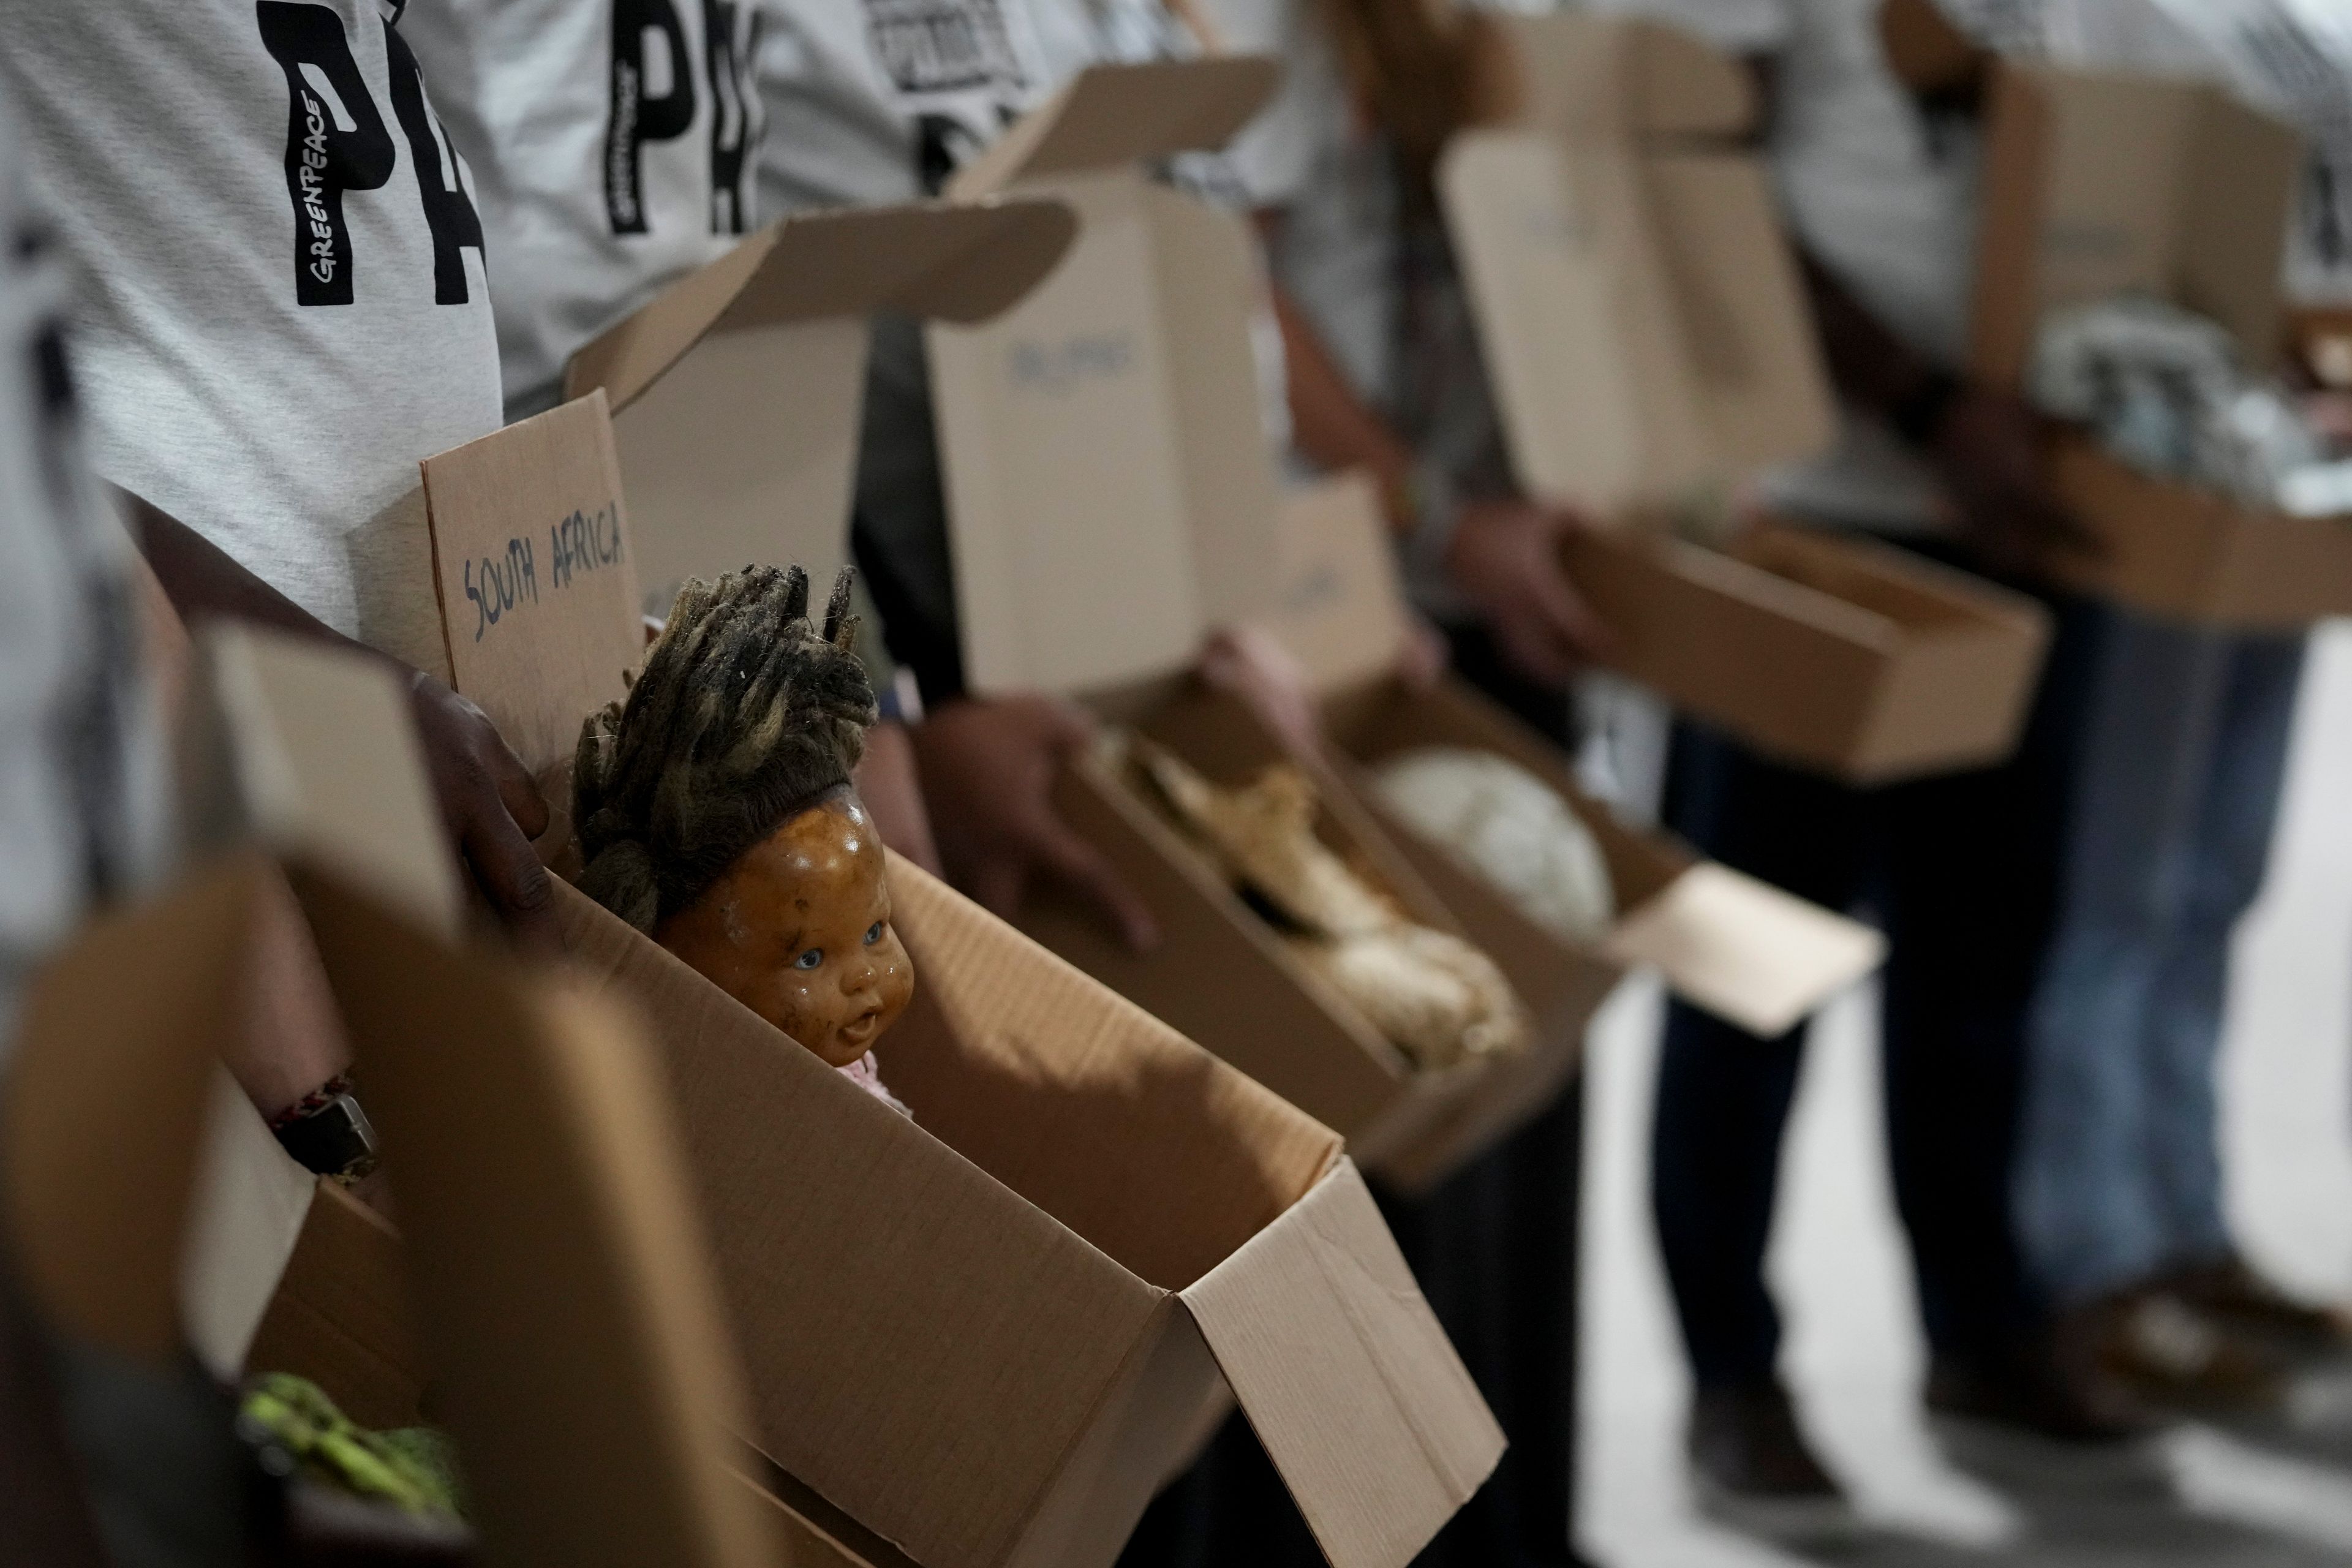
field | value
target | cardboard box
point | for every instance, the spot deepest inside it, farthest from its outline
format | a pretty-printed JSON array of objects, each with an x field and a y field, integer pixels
[
  {"x": 1107, "y": 431},
  {"x": 987, "y": 1335},
  {"x": 736, "y": 391},
  {"x": 1723, "y": 940},
  {"x": 1651, "y": 344},
  {"x": 2098, "y": 186},
  {"x": 1845, "y": 656}
]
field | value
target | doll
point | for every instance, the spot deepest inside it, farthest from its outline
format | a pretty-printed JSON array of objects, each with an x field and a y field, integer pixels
[{"x": 717, "y": 814}]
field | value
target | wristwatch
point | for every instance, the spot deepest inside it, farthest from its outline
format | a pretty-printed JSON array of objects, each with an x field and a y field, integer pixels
[{"x": 327, "y": 1131}]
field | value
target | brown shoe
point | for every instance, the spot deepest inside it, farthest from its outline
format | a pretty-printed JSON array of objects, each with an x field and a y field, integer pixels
[
  {"x": 2231, "y": 1294},
  {"x": 2034, "y": 1390},
  {"x": 1753, "y": 1469},
  {"x": 2172, "y": 1356}
]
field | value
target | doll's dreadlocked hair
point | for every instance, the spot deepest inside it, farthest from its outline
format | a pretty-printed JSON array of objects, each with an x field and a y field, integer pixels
[{"x": 746, "y": 715}]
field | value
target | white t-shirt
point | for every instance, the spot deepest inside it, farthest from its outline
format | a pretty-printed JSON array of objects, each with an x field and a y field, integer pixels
[
  {"x": 81, "y": 764},
  {"x": 614, "y": 147},
  {"x": 284, "y": 305},
  {"x": 875, "y": 101}
]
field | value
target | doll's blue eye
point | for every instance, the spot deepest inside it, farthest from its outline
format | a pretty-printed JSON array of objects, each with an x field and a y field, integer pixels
[
  {"x": 874, "y": 933},
  {"x": 810, "y": 960}
]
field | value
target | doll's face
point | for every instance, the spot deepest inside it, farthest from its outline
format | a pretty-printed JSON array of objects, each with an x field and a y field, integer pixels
[{"x": 799, "y": 932}]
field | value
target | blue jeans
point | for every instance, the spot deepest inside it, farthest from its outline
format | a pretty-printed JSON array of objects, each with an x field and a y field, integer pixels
[{"x": 2180, "y": 765}]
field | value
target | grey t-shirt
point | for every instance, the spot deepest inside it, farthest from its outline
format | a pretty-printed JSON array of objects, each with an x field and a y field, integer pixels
[
  {"x": 284, "y": 305},
  {"x": 614, "y": 148}
]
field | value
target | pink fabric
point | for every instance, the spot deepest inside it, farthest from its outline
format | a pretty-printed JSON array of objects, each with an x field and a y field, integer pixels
[{"x": 867, "y": 1076}]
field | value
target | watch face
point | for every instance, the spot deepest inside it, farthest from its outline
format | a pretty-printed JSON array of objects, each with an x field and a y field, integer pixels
[{"x": 335, "y": 1140}]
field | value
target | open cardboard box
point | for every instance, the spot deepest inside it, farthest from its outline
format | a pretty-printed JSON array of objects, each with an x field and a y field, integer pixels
[
  {"x": 1107, "y": 432},
  {"x": 736, "y": 391},
  {"x": 1650, "y": 341},
  {"x": 310, "y": 755},
  {"x": 2103, "y": 185},
  {"x": 1757, "y": 956},
  {"x": 987, "y": 1335}
]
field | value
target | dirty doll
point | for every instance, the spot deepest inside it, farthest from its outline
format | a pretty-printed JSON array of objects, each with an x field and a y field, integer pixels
[{"x": 717, "y": 814}]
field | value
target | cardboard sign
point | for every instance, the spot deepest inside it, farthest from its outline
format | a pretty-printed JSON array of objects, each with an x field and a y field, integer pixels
[
  {"x": 2099, "y": 187},
  {"x": 736, "y": 393},
  {"x": 1110, "y": 488},
  {"x": 1748, "y": 953},
  {"x": 537, "y": 574}
]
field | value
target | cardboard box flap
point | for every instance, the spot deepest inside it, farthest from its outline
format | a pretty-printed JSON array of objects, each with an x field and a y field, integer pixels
[
  {"x": 1583, "y": 74},
  {"x": 1079, "y": 1137},
  {"x": 2100, "y": 184},
  {"x": 536, "y": 576},
  {"x": 1113, "y": 115},
  {"x": 816, "y": 1194},
  {"x": 563, "y": 1290},
  {"x": 311, "y": 751},
  {"x": 958, "y": 262},
  {"x": 1339, "y": 606},
  {"x": 252, "y": 1203},
  {"x": 1745, "y": 951},
  {"x": 340, "y": 1314},
  {"x": 96, "y": 1224},
  {"x": 1322, "y": 1332}
]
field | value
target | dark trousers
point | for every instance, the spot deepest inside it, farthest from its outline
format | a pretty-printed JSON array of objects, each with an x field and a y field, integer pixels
[
  {"x": 1962, "y": 872},
  {"x": 1495, "y": 1250}
]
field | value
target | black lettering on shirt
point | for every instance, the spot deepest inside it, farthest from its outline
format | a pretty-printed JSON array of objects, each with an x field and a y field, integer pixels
[
  {"x": 324, "y": 160},
  {"x": 731, "y": 42},
  {"x": 448, "y": 211},
  {"x": 942, "y": 46},
  {"x": 635, "y": 118}
]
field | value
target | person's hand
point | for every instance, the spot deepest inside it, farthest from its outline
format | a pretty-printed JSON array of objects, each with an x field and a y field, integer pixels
[
  {"x": 893, "y": 792},
  {"x": 988, "y": 766},
  {"x": 1987, "y": 449},
  {"x": 490, "y": 803},
  {"x": 1250, "y": 664},
  {"x": 1505, "y": 558}
]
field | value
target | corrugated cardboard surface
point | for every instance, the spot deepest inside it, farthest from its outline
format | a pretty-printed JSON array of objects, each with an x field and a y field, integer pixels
[
  {"x": 96, "y": 1223},
  {"x": 736, "y": 391},
  {"x": 1835, "y": 653},
  {"x": 2192, "y": 555},
  {"x": 562, "y": 1291},
  {"x": 1641, "y": 311},
  {"x": 283, "y": 734},
  {"x": 1106, "y": 431},
  {"x": 340, "y": 1315}
]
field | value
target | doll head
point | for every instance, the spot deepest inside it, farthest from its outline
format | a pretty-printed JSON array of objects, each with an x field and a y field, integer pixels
[{"x": 716, "y": 815}]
